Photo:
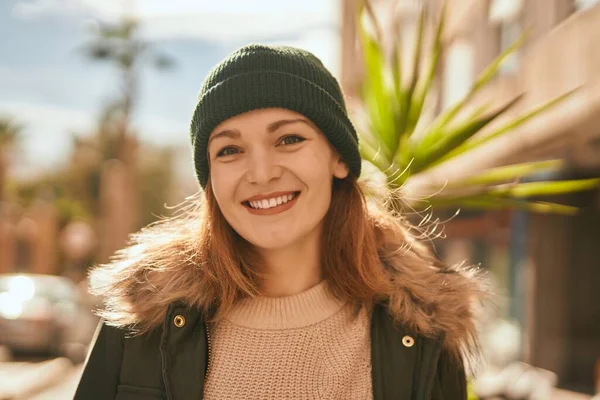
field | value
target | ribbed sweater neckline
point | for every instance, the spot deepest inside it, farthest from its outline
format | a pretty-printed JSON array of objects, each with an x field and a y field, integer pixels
[{"x": 296, "y": 311}]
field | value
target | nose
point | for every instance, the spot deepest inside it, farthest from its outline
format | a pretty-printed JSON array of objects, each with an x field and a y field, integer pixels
[{"x": 262, "y": 168}]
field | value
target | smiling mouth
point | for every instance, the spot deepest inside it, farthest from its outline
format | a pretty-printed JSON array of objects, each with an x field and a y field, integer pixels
[{"x": 271, "y": 203}]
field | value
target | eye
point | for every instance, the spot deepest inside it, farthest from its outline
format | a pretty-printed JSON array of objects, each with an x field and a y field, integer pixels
[
  {"x": 291, "y": 139},
  {"x": 227, "y": 151}
]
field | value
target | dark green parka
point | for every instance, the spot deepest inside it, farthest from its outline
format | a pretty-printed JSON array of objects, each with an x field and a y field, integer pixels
[{"x": 170, "y": 361}]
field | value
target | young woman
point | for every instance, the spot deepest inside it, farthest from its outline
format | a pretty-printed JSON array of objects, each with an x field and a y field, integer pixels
[{"x": 279, "y": 281}]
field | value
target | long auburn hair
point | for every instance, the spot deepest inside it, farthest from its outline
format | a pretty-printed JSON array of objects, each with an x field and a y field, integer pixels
[{"x": 369, "y": 255}]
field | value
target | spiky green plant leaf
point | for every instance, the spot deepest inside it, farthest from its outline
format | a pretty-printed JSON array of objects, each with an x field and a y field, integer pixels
[
  {"x": 408, "y": 99},
  {"x": 374, "y": 156},
  {"x": 425, "y": 85},
  {"x": 509, "y": 172},
  {"x": 488, "y": 202},
  {"x": 374, "y": 91},
  {"x": 507, "y": 127},
  {"x": 451, "y": 138},
  {"x": 394, "y": 108},
  {"x": 534, "y": 189},
  {"x": 435, "y": 130}
]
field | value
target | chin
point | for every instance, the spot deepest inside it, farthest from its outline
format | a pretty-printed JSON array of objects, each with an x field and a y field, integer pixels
[{"x": 272, "y": 244}]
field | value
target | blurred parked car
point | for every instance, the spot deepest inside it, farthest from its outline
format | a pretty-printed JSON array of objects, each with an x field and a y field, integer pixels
[{"x": 44, "y": 314}]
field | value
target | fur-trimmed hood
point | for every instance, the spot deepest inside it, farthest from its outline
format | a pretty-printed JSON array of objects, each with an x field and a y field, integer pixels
[{"x": 430, "y": 300}]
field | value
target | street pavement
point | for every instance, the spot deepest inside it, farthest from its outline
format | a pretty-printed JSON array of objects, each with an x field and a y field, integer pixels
[
  {"x": 65, "y": 389},
  {"x": 38, "y": 380}
]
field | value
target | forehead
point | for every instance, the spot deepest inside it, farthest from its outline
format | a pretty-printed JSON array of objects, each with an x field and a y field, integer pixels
[{"x": 257, "y": 119}]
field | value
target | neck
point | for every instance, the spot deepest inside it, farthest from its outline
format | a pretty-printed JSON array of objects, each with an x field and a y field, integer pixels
[{"x": 292, "y": 269}]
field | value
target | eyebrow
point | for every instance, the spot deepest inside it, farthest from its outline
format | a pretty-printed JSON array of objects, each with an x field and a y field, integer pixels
[{"x": 272, "y": 127}]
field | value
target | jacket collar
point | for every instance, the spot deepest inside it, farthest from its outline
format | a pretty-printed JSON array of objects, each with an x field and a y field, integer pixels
[
  {"x": 400, "y": 355},
  {"x": 430, "y": 299},
  {"x": 184, "y": 352}
]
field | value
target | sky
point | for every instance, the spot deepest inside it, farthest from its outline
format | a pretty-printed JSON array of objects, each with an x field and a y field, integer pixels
[{"x": 48, "y": 85}]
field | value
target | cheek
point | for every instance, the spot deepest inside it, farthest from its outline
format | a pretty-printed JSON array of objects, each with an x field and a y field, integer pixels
[
  {"x": 314, "y": 167},
  {"x": 223, "y": 186}
]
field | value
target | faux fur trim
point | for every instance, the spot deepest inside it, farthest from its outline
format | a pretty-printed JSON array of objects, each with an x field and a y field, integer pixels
[
  {"x": 443, "y": 302},
  {"x": 433, "y": 301}
]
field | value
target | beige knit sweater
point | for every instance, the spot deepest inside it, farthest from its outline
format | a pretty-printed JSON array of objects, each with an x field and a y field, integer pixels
[{"x": 305, "y": 346}]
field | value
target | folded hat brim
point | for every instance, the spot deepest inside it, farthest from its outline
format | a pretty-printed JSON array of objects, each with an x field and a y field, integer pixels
[{"x": 271, "y": 89}]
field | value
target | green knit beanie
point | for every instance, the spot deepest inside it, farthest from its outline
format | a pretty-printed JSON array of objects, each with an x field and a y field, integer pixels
[{"x": 260, "y": 76}]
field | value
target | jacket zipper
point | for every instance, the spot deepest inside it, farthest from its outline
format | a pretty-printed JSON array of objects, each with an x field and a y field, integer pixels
[{"x": 209, "y": 355}]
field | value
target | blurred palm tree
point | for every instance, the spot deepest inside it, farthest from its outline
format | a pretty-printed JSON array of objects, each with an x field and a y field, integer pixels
[
  {"x": 153, "y": 171},
  {"x": 399, "y": 139},
  {"x": 10, "y": 133},
  {"x": 120, "y": 44}
]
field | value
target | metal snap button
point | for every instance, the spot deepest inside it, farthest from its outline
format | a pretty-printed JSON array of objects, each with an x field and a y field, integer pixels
[
  {"x": 408, "y": 341},
  {"x": 179, "y": 321}
]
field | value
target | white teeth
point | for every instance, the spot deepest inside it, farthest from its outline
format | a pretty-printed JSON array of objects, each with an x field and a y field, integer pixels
[{"x": 273, "y": 202}]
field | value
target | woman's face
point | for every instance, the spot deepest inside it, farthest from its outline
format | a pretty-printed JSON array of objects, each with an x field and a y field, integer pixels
[{"x": 271, "y": 172}]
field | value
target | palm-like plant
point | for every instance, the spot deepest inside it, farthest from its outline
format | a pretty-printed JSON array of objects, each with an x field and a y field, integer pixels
[
  {"x": 397, "y": 140},
  {"x": 121, "y": 45},
  {"x": 9, "y": 135}
]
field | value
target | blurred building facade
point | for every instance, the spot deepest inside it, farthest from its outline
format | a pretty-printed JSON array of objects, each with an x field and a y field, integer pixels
[{"x": 548, "y": 264}]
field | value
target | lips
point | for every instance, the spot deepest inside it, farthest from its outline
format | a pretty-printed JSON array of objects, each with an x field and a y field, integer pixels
[
  {"x": 267, "y": 196},
  {"x": 272, "y": 203},
  {"x": 271, "y": 200}
]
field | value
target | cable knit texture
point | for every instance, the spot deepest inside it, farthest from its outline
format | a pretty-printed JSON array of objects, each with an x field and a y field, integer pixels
[{"x": 305, "y": 346}]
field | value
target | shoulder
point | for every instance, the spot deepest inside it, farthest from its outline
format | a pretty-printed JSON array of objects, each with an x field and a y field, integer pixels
[
  {"x": 390, "y": 334},
  {"x": 441, "y": 302},
  {"x": 121, "y": 341}
]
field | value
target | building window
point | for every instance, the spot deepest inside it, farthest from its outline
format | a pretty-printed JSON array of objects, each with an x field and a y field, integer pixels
[
  {"x": 585, "y": 4},
  {"x": 506, "y": 15},
  {"x": 458, "y": 71}
]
